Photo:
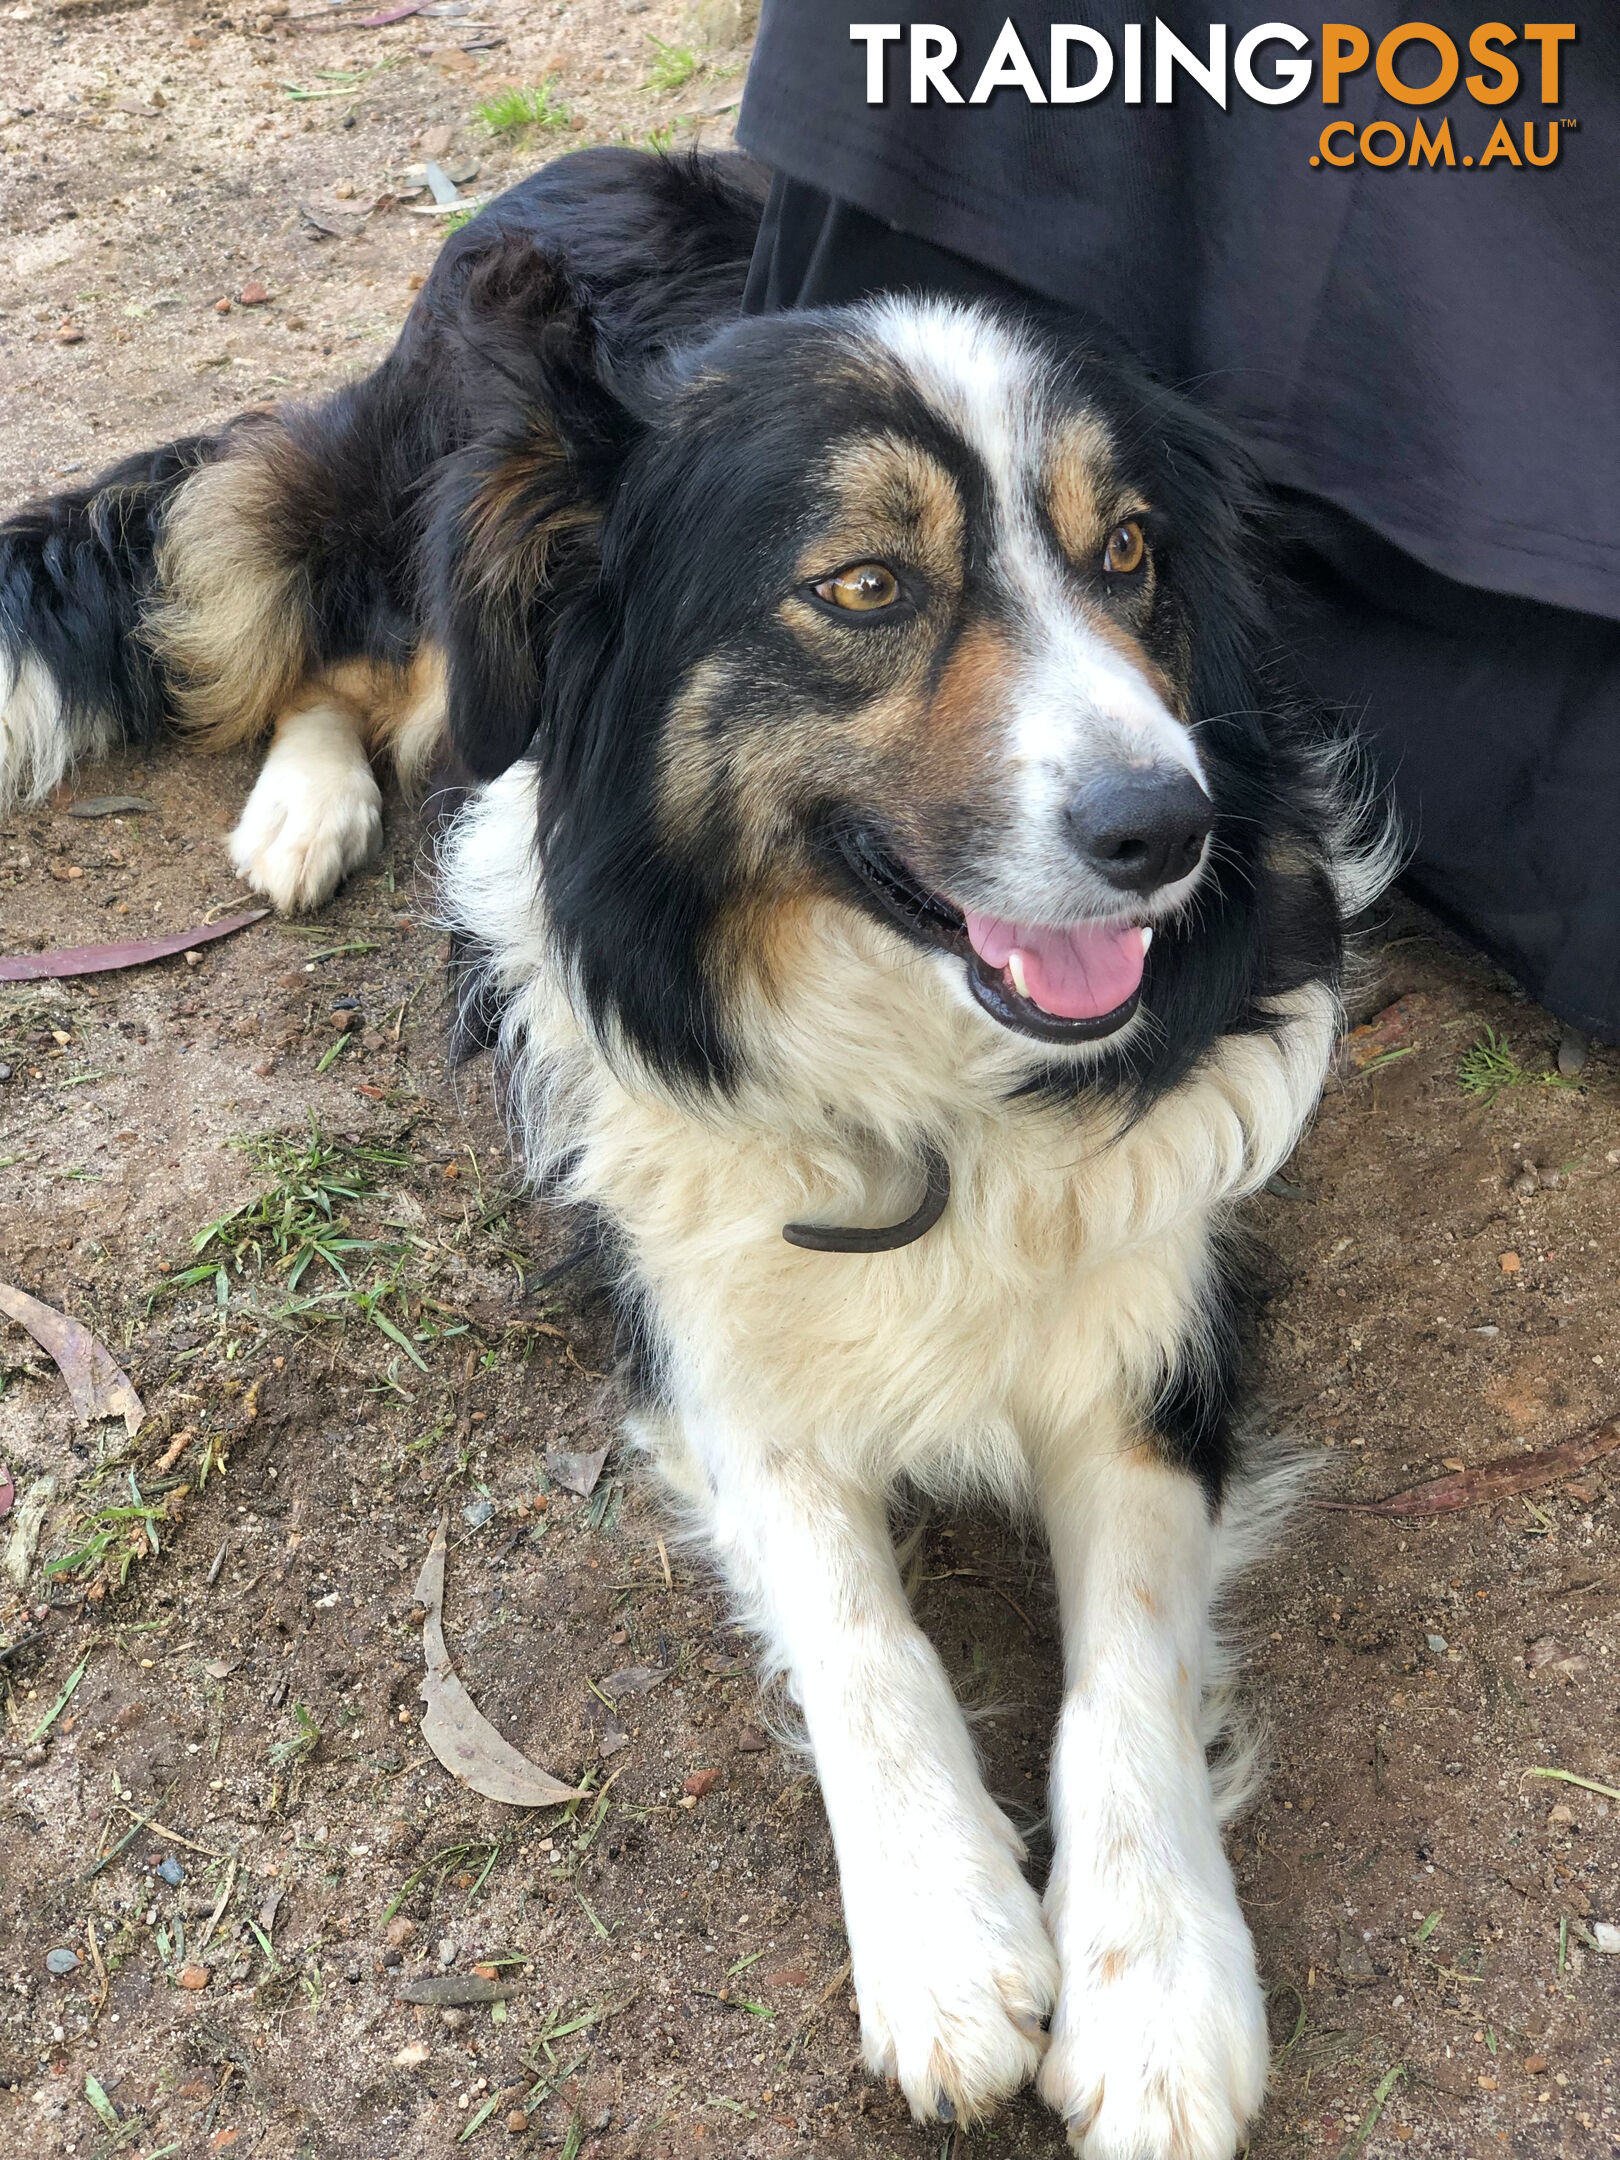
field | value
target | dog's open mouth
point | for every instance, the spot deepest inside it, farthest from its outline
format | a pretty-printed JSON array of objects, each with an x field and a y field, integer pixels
[{"x": 1070, "y": 983}]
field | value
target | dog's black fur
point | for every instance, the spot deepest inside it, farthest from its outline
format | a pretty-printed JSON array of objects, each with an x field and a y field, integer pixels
[
  {"x": 549, "y": 477},
  {"x": 648, "y": 250}
]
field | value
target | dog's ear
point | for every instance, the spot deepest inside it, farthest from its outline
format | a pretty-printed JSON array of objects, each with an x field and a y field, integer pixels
[{"x": 518, "y": 512}]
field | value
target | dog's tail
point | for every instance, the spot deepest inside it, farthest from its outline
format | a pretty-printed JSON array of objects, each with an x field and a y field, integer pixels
[
  {"x": 76, "y": 573},
  {"x": 235, "y": 585}
]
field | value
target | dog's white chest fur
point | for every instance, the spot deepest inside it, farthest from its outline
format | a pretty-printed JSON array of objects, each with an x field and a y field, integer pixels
[
  {"x": 1069, "y": 1256},
  {"x": 1018, "y": 1346}
]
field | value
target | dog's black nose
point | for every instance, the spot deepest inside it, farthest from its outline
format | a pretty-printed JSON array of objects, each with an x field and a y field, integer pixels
[{"x": 1140, "y": 830}]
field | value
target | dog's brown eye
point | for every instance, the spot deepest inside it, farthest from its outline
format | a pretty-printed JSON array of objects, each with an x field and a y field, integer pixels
[
  {"x": 1125, "y": 550},
  {"x": 862, "y": 587}
]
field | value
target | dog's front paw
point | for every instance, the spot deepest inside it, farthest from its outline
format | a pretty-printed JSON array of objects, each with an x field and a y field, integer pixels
[
  {"x": 314, "y": 815},
  {"x": 1159, "y": 2048},
  {"x": 954, "y": 1974}
]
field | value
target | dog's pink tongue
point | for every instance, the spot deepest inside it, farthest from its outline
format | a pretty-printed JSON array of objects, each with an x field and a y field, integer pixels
[{"x": 1074, "y": 974}]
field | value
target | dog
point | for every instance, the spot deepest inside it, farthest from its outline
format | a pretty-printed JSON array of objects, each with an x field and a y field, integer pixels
[{"x": 908, "y": 907}]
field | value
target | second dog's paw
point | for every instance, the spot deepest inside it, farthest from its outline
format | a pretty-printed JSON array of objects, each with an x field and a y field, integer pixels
[
  {"x": 954, "y": 1974},
  {"x": 314, "y": 815},
  {"x": 1159, "y": 2048}
]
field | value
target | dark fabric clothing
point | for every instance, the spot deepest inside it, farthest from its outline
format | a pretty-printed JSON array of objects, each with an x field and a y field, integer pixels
[
  {"x": 1437, "y": 352},
  {"x": 1495, "y": 720}
]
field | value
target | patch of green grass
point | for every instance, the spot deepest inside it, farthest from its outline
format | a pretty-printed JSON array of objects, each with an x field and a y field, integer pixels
[
  {"x": 299, "y": 1217},
  {"x": 339, "y": 82},
  {"x": 1386, "y": 1057},
  {"x": 1369, "y": 2122},
  {"x": 61, "y": 1702},
  {"x": 672, "y": 65},
  {"x": 97, "y": 2098},
  {"x": 1488, "y": 1068},
  {"x": 484, "y": 1850},
  {"x": 117, "y": 1537},
  {"x": 303, "y": 1743},
  {"x": 509, "y": 111}
]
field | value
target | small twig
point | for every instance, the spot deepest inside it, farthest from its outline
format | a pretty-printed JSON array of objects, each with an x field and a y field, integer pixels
[
  {"x": 108, "y": 1858},
  {"x": 162, "y": 1830},
  {"x": 101, "y": 1970},
  {"x": 1568, "y": 1777},
  {"x": 224, "y": 1899},
  {"x": 828, "y": 1992},
  {"x": 972, "y": 1575},
  {"x": 663, "y": 1561},
  {"x": 219, "y": 1562}
]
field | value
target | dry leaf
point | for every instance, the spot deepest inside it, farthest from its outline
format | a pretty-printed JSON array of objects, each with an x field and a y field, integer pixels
[
  {"x": 98, "y": 806},
  {"x": 136, "y": 952},
  {"x": 1491, "y": 1481},
  {"x": 576, "y": 1473},
  {"x": 633, "y": 1680},
  {"x": 464, "y": 1741},
  {"x": 100, "y": 1388}
]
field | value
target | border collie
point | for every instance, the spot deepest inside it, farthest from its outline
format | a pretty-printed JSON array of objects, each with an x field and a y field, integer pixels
[{"x": 909, "y": 910}]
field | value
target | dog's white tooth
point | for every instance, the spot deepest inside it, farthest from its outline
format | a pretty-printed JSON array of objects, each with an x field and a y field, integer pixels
[
  {"x": 1147, "y": 937},
  {"x": 1015, "y": 968}
]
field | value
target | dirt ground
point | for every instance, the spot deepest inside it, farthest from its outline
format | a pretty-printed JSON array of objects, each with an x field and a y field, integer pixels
[{"x": 232, "y": 1833}]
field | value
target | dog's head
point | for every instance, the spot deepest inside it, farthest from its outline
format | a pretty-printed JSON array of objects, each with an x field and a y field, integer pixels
[{"x": 912, "y": 604}]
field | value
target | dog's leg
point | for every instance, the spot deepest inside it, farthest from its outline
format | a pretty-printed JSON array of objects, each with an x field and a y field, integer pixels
[
  {"x": 1159, "y": 2047},
  {"x": 315, "y": 812},
  {"x": 952, "y": 1968}
]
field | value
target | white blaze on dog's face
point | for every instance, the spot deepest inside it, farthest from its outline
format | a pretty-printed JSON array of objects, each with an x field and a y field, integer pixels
[
  {"x": 918, "y": 609},
  {"x": 969, "y": 702},
  {"x": 1108, "y": 800}
]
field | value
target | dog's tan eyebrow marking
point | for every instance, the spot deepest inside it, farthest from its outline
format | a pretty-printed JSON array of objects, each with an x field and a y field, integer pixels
[
  {"x": 889, "y": 498},
  {"x": 1079, "y": 493}
]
